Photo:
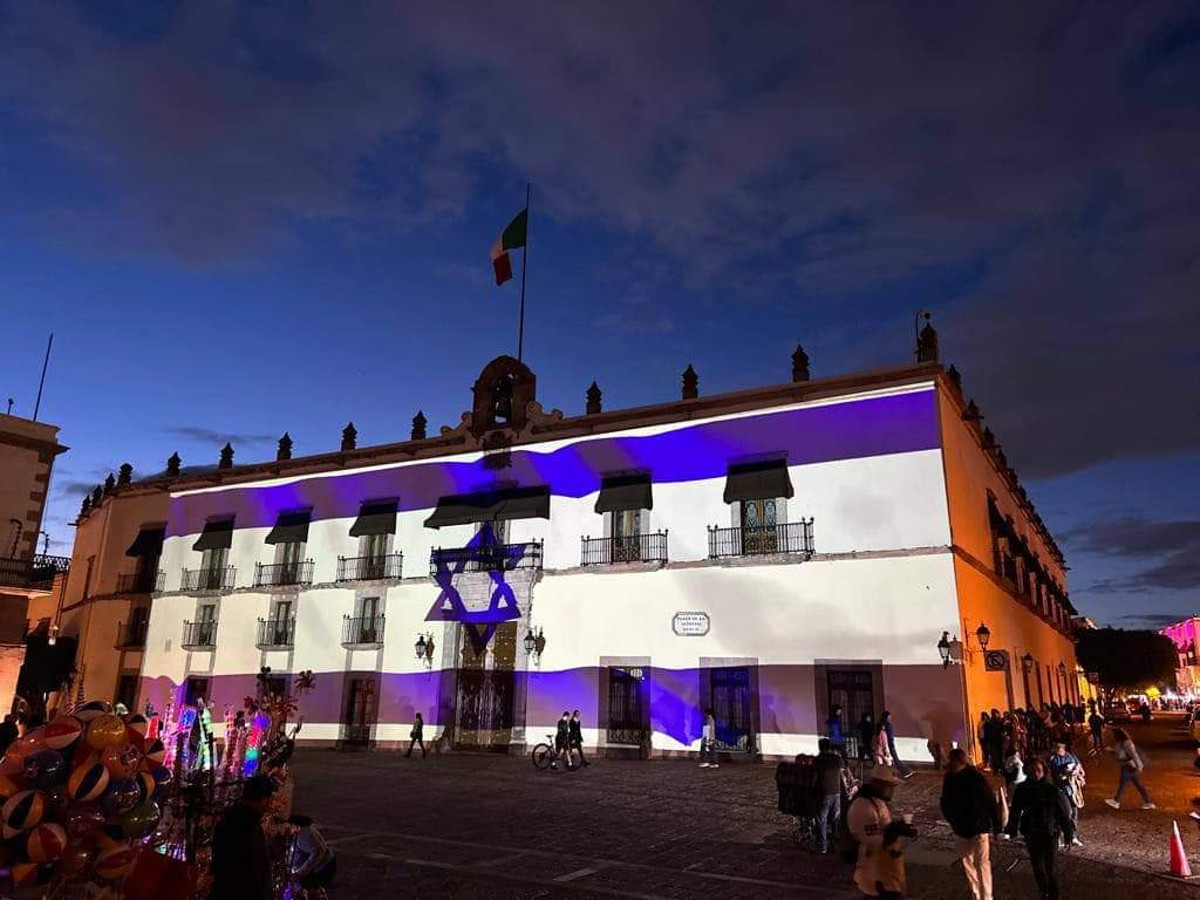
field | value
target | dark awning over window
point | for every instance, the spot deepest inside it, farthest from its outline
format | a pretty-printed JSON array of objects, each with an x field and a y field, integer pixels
[
  {"x": 148, "y": 542},
  {"x": 492, "y": 506},
  {"x": 758, "y": 481},
  {"x": 290, "y": 528},
  {"x": 375, "y": 518},
  {"x": 625, "y": 492},
  {"x": 217, "y": 535}
]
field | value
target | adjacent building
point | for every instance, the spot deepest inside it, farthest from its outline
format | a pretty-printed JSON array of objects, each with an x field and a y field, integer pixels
[
  {"x": 1183, "y": 635},
  {"x": 28, "y": 450},
  {"x": 768, "y": 555}
]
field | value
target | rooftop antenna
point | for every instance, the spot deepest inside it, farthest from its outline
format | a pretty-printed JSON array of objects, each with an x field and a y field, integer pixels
[{"x": 45, "y": 362}]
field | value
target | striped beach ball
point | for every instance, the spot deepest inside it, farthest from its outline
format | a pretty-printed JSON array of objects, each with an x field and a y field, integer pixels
[
  {"x": 146, "y": 784},
  {"x": 10, "y": 786},
  {"x": 25, "y": 874},
  {"x": 91, "y": 710},
  {"x": 22, "y": 811},
  {"x": 115, "y": 861},
  {"x": 155, "y": 753},
  {"x": 46, "y": 841},
  {"x": 62, "y": 732},
  {"x": 87, "y": 782}
]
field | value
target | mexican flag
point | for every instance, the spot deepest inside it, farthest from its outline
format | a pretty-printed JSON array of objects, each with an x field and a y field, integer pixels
[{"x": 511, "y": 238}]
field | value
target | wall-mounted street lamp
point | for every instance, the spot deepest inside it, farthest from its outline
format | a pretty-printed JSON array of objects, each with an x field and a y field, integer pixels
[
  {"x": 423, "y": 649},
  {"x": 53, "y": 639},
  {"x": 1062, "y": 670},
  {"x": 983, "y": 634},
  {"x": 534, "y": 645},
  {"x": 1027, "y": 663}
]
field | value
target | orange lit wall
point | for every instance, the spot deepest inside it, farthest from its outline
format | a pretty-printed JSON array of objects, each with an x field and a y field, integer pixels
[{"x": 985, "y": 597}]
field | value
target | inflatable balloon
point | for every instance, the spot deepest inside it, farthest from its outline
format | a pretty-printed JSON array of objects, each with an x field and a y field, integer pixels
[
  {"x": 28, "y": 743},
  {"x": 83, "y": 820},
  {"x": 115, "y": 861},
  {"x": 22, "y": 811},
  {"x": 155, "y": 752},
  {"x": 10, "y": 785},
  {"x": 12, "y": 765},
  {"x": 123, "y": 794},
  {"x": 62, "y": 732},
  {"x": 138, "y": 724},
  {"x": 140, "y": 821},
  {"x": 88, "y": 782},
  {"x": 26, "y": 874},
  {"x": 122, "y": 760},
  {"x": 46, "y": 842},
  {"x": 105, "y": 731},
  {"x": 45, "y": 768},
  {"x": 92, "y": 710}
]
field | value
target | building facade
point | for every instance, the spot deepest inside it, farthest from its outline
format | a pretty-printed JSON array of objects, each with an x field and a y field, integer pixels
[
  {"x": 28, "y": 450},
  {"x": 767, "y": 554},
  {"x": 1187, "y": 673}
]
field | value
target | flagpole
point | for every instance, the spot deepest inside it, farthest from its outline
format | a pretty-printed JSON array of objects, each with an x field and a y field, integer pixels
[{"x": 524, "y": 259}]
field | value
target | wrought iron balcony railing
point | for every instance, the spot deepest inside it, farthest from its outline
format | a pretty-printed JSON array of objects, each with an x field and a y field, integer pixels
[
  {"x": 278, "y": 632},
  {"x": 282, "y": 574},
  {"x": 131, "y": 635},
  {"x": 370, "y": 568},
  {"x": 199, "y": 635},
  {"x": 197, "y": 580},
  {"x": 140, "y": 582},
  {"x": 37, "y": 571},
  {"x": 493, "y": 558},
  {"x": 362, "y": 631},
  {"x": 792, "y": 538},
  {"x": 633, "y": 548}
]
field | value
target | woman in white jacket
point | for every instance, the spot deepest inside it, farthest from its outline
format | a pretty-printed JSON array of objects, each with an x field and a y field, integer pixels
[
  {"x": 1131, "y": 769},
  {"x": 708, "y": 742}
]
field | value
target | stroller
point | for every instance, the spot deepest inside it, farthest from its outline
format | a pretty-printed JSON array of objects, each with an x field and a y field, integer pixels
[{"x": 800, "y": 795}]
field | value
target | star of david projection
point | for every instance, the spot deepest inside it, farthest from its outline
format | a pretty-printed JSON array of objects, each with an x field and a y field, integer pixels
[{"x": 479, "y": 624}]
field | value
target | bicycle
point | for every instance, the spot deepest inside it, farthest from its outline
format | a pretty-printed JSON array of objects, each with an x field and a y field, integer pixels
[{"x": 546, "y": 754}]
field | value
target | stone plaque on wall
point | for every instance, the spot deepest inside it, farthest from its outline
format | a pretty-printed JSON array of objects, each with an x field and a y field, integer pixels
[{"x": 690, "y": 624}]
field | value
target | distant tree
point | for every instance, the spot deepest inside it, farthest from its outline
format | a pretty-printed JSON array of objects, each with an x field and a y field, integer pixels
[{"x": 1127, "y": 660}]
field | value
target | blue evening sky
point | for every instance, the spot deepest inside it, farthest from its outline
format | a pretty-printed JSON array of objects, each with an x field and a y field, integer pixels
[{"x": 240, "y": 219}]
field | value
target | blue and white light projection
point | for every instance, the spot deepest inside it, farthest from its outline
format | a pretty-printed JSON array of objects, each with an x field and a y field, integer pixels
[{"x": 479, "y": 624}]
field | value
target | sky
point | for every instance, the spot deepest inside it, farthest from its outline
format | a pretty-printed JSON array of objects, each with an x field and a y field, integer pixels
[{"x": 244, "y": 218}]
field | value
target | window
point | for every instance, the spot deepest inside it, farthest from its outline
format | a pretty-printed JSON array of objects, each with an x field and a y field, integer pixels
[
  {"x": 626, "y": 528},
  {"x": 854, "y": 692},
  {"x": 87, "y": 577},
  {"x": 206, "y": 624},
  {"x": 625, "y": 705},
  {"x": 759, "y": 518},
  {"x": 368, "y": 622},
  {"x": 276, "y": 685},
  {"x": 212, "y": 568},
  {"x": 289, "y": 556},
  {"x": 127, "y": 686},
  {"x": 280, "y": 626},
  {"x": 729, "y": 699},
  {"x": 374, "y": 548}
]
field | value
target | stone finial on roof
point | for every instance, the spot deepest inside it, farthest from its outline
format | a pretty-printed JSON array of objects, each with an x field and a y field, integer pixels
[
  {"x": 927, "y": 343},
  {"x": 125, "y": 474},
  {"x": 86, "y": 506},
  {"x": 594, "y": 398},
  {"x": 226, "y": 460},
  {"x": 110, "y": 484},
  {"x": 972, "y": 413},
  {"x": 955, "y": 377},
  {"x": 173, "y": 464},
  {"x": 418, "y": 426},
  {"x": 285, "y": 447},
  {"x": 691, "y": 383},
  {"x": 800, "y": 371},
  {"x": 989, "y": 439},
  {"x": 349, "y": 437},
  {"x": 97, "y": 495}
]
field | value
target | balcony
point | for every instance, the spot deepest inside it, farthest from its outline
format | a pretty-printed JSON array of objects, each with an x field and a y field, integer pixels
[
  {"x": 140, "y": 582},
  {"x": 36, "y": 572},
  {"x": 362, "y": 631},
  {"x": 283, "y": 574},
  {"x": 634, "y": 548},
  {"x": 274, "y": 634},
  {"x": 199, "y": 635},
  {"x": 208, "y": 580},
  {"x": 370, "y": 568},
  {"x": 493, "y": 558},
  {"x": 792, "y": 538},
  {"x": 131, "y": 635}
]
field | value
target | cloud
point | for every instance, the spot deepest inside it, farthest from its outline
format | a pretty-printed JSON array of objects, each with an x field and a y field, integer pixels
[
  {"x": 1029, "y": 173},
  {"x": 220, "y": 438},
  {"x": 1151, "y": 620},
  {"x": 1173, "y": 545}
]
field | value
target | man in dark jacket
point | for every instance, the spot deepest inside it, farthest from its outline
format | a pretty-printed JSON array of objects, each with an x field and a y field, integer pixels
[
  {"x": 1039, "y": 811},
  {"x": 830, "y": 768},
  {"x": 970, "y": 808},
  {"x": 241, "y": 863},
  {"x": 575, "y": 734},
  {"x": 562, "y": 740}
]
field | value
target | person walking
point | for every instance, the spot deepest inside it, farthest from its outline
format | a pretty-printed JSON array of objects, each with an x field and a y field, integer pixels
[
  {"x": 1131, "y": 769},
  {"x": 969, "y": 807},
  {"x": 902, "y": 770},
  {"x": 831, "y": 772},
  {"x": 708, "y": 742},
  {"x": 1096, "y": 727},
  {"x": 562, "y": 741},
  {"x": 1014, "y": 771},
  {"x": 1039, "y": 813},
  {"x": 833, "y": 728},
  {"x": 1066, "y": 771},
  {"x": 993, "y": 736},
  {"x": 866, "y": 734},
  {"x": 877, "y": 872},
  {"x": 417, "y": 736},
  {"x": 575, "y": 735},
  {"x": 241, "y": 862}
]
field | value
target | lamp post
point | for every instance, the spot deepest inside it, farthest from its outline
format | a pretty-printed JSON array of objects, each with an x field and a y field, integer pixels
[{"x": 983, "y": 634}]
